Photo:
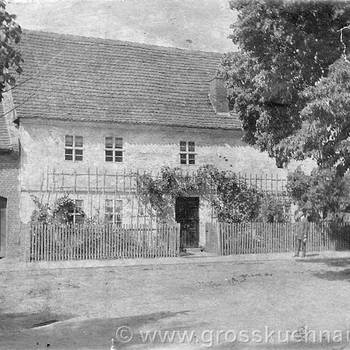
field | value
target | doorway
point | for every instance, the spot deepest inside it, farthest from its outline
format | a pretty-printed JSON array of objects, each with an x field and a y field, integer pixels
[
  {"x": 187, "y": 215},
  {"x": 3, "y": 226}
]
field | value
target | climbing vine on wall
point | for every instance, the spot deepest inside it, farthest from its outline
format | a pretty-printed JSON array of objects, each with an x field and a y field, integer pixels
[
  {"x": 231, "y": 198},
  {"x": 60, "y": 212}
]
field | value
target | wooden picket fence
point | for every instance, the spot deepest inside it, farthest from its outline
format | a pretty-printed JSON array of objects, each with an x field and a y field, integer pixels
[
  {"x": 54, "y": 242},
  {"x": 258, "y": 237}
]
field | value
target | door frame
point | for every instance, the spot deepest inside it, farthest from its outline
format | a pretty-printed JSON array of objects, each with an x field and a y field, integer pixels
[{"x": 195, "y": 243}]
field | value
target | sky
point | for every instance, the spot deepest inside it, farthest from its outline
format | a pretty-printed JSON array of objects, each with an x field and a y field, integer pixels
[{"x": 192, "y": 24}]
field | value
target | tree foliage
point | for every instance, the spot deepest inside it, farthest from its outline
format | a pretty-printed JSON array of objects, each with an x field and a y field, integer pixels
[
  {"x": 61, "y": 211},
  {"x": 324, "y": 134},
  {"x": 323, "y": 194},
  {"x": 274, "y": 209},
  {"x": 10, "y": 55},
  {"x": 285, "y": 47}
]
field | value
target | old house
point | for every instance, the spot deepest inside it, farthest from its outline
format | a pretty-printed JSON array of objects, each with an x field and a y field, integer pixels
[{"x": 86, "y": 111}]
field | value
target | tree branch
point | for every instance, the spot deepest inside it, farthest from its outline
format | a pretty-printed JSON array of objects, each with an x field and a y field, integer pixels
[{"x": 342, "y": 41}]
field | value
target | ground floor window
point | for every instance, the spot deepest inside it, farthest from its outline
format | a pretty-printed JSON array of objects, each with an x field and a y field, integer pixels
[
  {"x": 77, "y": 214},
  {"x": 113, "y": 211}
]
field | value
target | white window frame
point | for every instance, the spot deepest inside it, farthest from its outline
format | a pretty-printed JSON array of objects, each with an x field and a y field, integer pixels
[
  {"x": 74, "y": 148},
  {"x": 75, "y": 213},
  {"x": 117, "y": 211},
  {"x": 114, "y": 149},
  {"x": 187, "y": 151}
]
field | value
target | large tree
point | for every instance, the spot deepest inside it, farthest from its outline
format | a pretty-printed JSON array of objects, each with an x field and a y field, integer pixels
[
  {"x": 323, "y": 136},
  {"x": 285, "y": 47},
  {"x": 10, "y": 56},
  {"x": 325, "y": 129}
]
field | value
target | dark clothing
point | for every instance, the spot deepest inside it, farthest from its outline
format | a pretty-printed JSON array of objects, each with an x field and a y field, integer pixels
[
  {"x": 301, "y": 245},
  {"x": 302, "y": 229},
  {"x": 301, "y": 235}
]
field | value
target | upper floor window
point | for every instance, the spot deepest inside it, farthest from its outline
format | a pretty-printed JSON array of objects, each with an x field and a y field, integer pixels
[
  {"x": 114, "y": 149},
  {"x": 113, "y": 211},
  {"x": 187, "y": 152},
  {"x": 73, "y": 148}
]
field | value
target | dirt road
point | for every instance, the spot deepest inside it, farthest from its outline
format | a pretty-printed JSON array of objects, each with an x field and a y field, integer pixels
[{"x": 198, "y": 305}]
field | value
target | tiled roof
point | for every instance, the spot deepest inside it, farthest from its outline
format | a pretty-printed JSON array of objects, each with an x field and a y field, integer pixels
[
  {"x": 76, "y": 78},
  {"x": 5, "y": 143}
]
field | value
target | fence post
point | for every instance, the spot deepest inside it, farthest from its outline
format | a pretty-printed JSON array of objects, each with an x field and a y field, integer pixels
[
  {"x": 28, "y": 241},
  {"x": 218, "y": 230}
]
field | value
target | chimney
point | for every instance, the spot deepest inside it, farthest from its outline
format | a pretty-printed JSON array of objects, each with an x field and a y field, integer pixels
[{"x": 218, "y": 95}]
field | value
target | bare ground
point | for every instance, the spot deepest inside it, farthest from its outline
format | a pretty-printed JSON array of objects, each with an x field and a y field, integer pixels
[{"x": 83, "y": 308}]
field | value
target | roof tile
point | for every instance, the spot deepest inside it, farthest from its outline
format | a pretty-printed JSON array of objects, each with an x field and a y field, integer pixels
[{"x": 78, "y": 78}]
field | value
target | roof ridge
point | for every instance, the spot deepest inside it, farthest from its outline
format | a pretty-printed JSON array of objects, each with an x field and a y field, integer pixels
[{"x": 119, "y": 42}]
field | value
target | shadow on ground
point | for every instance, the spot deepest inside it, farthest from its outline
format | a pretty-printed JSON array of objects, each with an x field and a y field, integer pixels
[
  {"x": 342, "y": 274},
  {"x": 87, "y": 334},
  {"x": 332, "y": 262},
  {"x": 12, "y": 322}
]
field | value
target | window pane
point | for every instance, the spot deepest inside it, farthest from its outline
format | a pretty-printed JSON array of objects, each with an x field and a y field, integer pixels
[
  {"x": 140, "y": 210},
  {"x": 183, "y": 158},
  {"x": 79, "y": 219},
  {"x": 78, "y": 141},
  {"x": 118, "y": 156},
  {"x": 191, "y": 159},
  {"x": 109, "y": 218},
  {"x": 79, "y": 204},
  {"x": 109, "y": 207},
  {"x": 183, "y": 146},
  {"x": 68, "y": 154},
  {"x": 109, "y": 156},
  {"x": 118, "y": 219},
  {"x": 78, "y": 154},
  {"x": 109, "y": 203},
  {"x": 69, "y": 141},
  {"x": 118, "y": 206},
  {"x": 109, "y": 142},
  {"x": 191, "y": 147},
  {"x": 118, "y": 142}
]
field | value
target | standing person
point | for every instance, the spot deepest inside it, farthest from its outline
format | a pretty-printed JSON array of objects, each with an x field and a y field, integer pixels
[{"x": 301, "y": 235}]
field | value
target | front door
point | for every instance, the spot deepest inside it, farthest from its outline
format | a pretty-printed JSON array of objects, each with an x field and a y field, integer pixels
[
  {"x": 3, "y": 225},
  {"x": 187, "y": 214}
]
